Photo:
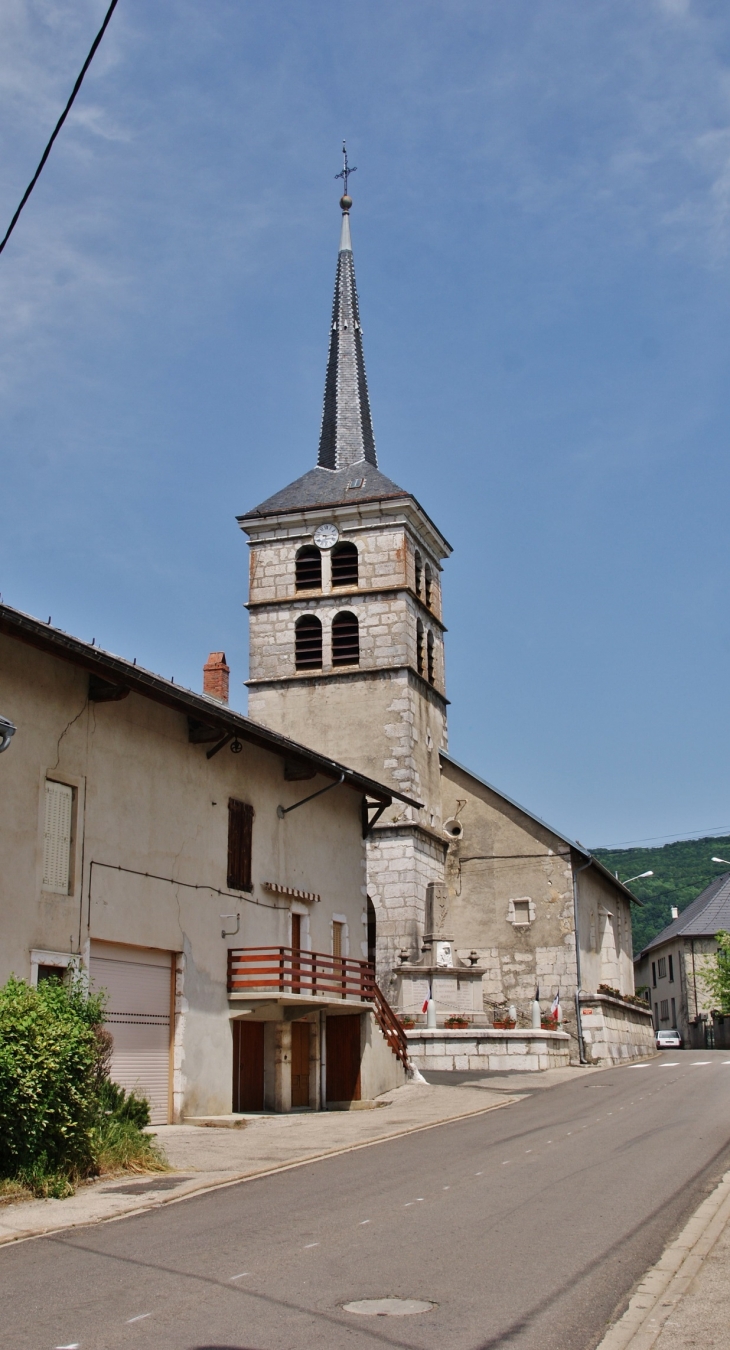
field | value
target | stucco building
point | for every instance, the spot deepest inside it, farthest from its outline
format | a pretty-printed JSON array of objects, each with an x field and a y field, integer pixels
[
  {"x": 208, "y": 873},
  {"x": 670, "y": 968},
  {"x": 347, "y": 655}
]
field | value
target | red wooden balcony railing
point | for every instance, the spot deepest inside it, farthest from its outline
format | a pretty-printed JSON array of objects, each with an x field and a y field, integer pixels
[{"x": 287, "y": 970}]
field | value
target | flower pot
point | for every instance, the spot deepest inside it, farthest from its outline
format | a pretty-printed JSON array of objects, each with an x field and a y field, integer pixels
[{"x": 504, "y": 1026}]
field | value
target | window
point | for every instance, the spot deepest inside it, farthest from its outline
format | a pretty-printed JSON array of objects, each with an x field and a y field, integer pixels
[
  {"x": 653, "y": 973},
  {"x": 308, "y": 643},
  {"x": 57, "y": 838},
  {"x": 345, "y": 640},
  {"x": 240, "y": 831},
  {"x": 674, "y": 1013},
  {"x": 428, "y": 587},
  {"x": 429, "y": 657},
  {"x": 656, "y": 1016},
  {"x": 662, "y": 967},
  {"x": 419, "y": 572},
  {"x": 671, "y": 969},
  {"x": 308, "y": 569},
  {"x": 419, "y": 646},
  {"x": 521, "y": 911},
  {"x": 344, "y": 565},
  {"x": 664, "y": 1013}
]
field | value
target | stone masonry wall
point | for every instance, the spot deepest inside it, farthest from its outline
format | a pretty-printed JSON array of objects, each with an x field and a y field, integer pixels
[{"x": 400, "y": 864}]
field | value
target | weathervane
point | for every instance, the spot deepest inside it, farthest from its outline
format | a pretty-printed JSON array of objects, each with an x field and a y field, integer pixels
[{"x": 346, "y": 171}]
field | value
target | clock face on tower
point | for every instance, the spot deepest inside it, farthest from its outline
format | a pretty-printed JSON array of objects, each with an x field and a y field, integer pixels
[{"x": 326, "y": 536}]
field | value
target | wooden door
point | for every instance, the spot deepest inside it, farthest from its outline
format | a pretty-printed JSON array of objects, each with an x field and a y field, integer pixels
[
  {"x": 300, "y": 1032},
  {"x": 343, "y": 1058},
  {"x": 248, "y": 1065}
]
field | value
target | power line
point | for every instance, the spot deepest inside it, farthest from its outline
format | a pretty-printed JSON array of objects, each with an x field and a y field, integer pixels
[
  {"x": 709, "y": 832},
  {"x": 59, "y": 123}
]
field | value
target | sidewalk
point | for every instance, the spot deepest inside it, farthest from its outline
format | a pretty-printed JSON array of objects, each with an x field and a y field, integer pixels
[
  {"x": 684, "y": 1300},
  {"x": 204, "y": 1157}
]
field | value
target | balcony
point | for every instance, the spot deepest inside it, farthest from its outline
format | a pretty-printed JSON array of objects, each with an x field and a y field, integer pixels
[
  {"x": 290, "y": 972},
  {"x": 301, "y": 980}
]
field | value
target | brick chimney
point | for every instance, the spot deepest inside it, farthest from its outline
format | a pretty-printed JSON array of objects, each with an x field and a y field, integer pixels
[{"x": 215, "y": 676}]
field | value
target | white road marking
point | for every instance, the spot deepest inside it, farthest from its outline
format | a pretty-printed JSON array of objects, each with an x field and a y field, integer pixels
[
  {"x": 697, "y": 1063},
  {"x": 408, "y": 1204},
  {"x": 310, "y": 1244},
  {"x": 240, "y": 1277},
  {"x": 447, "y": 1188},
  {"x": 640, "y": 1066},
  {"x": 569, "y": 1133},
  {"x": 528, "y": 1150},
  {"x": 139, "y": 1318},
  {"x": 507, "y": 1163},
  {"x": 73, "y": 1346},
  {"x": 667, "y": 1064},
  {"x": 362, "y": 1221},
  {"x": 726, "y": 1061}
]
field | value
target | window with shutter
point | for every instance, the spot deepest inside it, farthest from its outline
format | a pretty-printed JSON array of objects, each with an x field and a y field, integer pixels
[
  {"x": 57, "y": 838},
  {"x": 240, "y": 831}
]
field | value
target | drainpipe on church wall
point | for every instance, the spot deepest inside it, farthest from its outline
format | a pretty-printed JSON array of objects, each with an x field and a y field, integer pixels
[{"x": 579, "y": 1024}]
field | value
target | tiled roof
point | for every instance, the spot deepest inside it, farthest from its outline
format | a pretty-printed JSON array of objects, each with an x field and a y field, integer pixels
[
  {"x": 708, "y": 914},
  {"x": 330, "y": 487},
  {"x": 346, "y": 437}
]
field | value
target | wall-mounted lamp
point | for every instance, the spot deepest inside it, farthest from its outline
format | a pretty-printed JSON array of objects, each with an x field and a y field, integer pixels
[{"x": 7, "y": 731}]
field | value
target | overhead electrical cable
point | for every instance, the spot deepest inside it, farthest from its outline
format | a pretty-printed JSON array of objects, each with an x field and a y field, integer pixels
[{"x": 59, "y": 124}]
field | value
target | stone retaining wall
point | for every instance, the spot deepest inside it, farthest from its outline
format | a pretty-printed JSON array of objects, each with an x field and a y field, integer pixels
[
  {"x": 615, "y": 1031},
  {"x": 486, "y": 1049}
]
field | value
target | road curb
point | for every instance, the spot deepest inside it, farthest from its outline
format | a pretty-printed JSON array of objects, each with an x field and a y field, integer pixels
[
  {"x": 207, "y": 1186},
  {"x": 668, "y": 1281}
]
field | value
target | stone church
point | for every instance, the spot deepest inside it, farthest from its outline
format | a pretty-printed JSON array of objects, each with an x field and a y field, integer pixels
[{"x": 471, "y": 898}]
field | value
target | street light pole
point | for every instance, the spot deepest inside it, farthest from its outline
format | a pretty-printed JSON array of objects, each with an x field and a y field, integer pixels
[{"x": 640, "y": 877}]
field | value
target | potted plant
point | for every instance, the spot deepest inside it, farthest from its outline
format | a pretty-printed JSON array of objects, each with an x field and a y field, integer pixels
[
  {"x": 457, "y": 1020},
  {"x": 504, "y": 1023},
  {"x": 407, "y": 1021}
]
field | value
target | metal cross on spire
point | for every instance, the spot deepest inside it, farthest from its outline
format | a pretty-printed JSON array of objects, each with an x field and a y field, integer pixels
[{"x": 346, "y": 170}]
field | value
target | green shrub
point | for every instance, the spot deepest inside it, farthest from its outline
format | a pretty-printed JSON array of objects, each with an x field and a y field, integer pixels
[
  {"x": 48, "y": 1088},
  {"x": 61, "y": 1118}
]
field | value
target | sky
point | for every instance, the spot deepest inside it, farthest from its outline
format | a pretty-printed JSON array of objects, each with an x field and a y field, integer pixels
[{"x": 541, "y": 228}]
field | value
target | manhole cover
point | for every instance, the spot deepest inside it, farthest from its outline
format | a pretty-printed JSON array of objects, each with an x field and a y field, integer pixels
[{"x": 389, "y": 1307}]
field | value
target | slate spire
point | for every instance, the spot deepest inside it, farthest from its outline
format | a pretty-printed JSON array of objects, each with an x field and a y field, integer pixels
[{"x": 346, "y": 438}]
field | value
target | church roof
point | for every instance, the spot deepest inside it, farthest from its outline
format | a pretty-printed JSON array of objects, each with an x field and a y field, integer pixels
[
  {"x": 564, "y": 838},
  {"x": 708, "y": 914},
  {"x": 347, "y": 465},
  {"x": 330, "y": 487},
  {"x": 346, "y": 437}
]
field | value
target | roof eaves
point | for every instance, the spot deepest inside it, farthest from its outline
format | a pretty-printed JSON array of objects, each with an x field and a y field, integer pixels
[
  {"x": 26, "y": 628},
  {"x": 578, "y": 848}
]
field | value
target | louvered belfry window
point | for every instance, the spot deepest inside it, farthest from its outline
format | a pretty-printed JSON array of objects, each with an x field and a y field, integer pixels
[
  {"x": 57, "y": 837},
  {"x": 344, "y": 565},
  {"x": 419, "y": 646},
  {"x": 428, "y": 586},
  {"x": 308, "y": 643},
  {"x": 429, "y": 655},
  {"x": 345, "y": 640},
  {"x": 308, "y": 569},
  {"x": 240, "y": 833},
  {"x": 419, "y": 572}
]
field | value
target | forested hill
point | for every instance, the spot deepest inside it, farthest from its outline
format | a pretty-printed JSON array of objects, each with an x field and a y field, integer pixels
[{"x": 681, "y": 871}]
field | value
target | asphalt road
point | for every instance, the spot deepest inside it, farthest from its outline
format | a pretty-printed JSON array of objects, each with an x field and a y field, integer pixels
[{"x": 526, "y": 1227}]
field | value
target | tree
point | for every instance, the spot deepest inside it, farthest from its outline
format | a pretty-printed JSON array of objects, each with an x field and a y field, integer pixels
[{"x": 717, "y": 976}]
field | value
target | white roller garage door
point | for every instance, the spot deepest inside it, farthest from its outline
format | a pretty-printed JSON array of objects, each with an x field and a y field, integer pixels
[{"x": 138, "y": 1016}]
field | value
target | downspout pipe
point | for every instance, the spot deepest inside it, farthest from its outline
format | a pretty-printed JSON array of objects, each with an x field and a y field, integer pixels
[{"x": 579, "y": 1024}]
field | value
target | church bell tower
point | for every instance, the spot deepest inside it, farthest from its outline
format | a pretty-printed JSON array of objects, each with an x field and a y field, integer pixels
[{"x": 346, "y": 628}]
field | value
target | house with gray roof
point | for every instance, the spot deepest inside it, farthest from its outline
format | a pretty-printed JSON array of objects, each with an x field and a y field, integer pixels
[{"x": 671, "y": 966}]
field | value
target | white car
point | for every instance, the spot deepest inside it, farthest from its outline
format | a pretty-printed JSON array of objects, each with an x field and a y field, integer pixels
[{"x": 668, "y": 1040}]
